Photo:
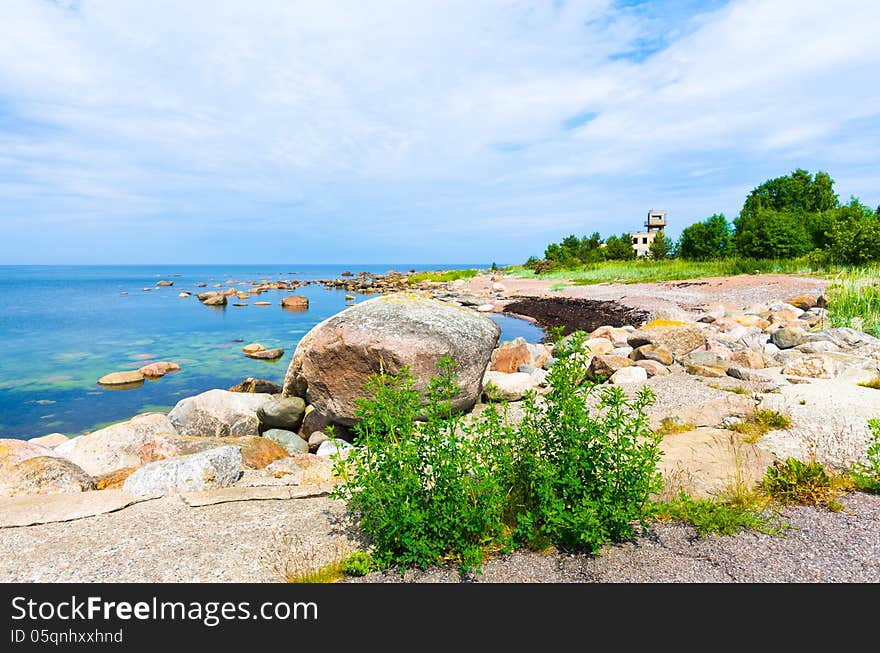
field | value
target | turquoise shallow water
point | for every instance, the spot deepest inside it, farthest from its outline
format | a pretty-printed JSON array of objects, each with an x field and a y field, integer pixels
[{"x": 64, "y": 327}]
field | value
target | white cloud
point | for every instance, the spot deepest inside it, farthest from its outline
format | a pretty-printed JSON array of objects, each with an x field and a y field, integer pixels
[{"x": 442, "y": 114}]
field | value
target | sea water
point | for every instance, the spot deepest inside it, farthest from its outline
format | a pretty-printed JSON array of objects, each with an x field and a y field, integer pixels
[{"x": 64, "y": 327}]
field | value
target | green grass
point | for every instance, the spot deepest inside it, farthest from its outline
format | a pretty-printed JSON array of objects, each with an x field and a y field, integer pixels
[
  {"x": 735, "y": 389},
  {"x": 669, "y": 426},
  {"x": 713, "y": 517},
  {"x": 760, "y": 423},
  {"x": 873, "y": 383},
  {"x": 647, "y": 270},
  {"x": 854, "y": 300},
  {"x": 440, "y": 276}
]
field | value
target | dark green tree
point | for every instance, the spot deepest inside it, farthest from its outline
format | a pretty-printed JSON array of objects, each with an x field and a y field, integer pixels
[
  {"x": 854, "y": 237},
  {"x": 798, "y": 192},
  {"x": 619, "y": 248},
  {"x": 767, "y": 234},
  {"x": 661, "y": 247},
  {"x": 709, "y": 239}
]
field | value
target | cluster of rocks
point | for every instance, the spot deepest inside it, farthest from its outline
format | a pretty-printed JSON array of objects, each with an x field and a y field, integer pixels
[
  {"x": 131, "y": 378},
  {"x": 215, "y": 439},
  {"x": 258, "y": 433}
]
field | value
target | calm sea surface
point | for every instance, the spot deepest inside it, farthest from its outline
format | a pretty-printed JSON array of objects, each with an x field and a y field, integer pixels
[{"x": 64, "y": 327}]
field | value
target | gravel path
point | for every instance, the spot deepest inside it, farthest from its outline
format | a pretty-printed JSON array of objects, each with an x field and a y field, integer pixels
[
  {"x": 820, "y": 547},
  {"x": 166, "y": 541}
]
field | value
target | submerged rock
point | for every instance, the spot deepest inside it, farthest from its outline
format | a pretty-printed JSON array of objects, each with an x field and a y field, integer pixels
[
  {"x": 122, "y": 378},
  {"x": 266, "y": 354}
]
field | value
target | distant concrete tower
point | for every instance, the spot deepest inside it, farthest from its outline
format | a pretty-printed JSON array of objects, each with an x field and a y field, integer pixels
[{"x": 641, "y": 240}]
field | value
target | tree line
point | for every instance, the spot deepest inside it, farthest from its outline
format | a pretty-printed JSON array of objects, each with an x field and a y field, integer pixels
[{"x": 792, "y": 216}]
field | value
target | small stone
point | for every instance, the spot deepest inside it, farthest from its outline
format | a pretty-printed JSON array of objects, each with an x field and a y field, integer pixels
[
  {"x": 748, "y": 358},
  {"x": 156, "y": 370},
  {"x": 216, "y": 300},
  {"x": 288, "y": 439},
  {"x": 266, "y": 354},
  {"x": 748, "y": 374},
  {"x": 653, "y": 368},
  {"x": 329, "y": 449},
  {"x": 628, "y": 375},
  {"x": 705, "y": 370},
  {"x": 164, "y": 283},
  {"x": 284, "y": 413},
  {"x": 316, "y": 438},
  {"x": 253, "y": 347},
  {"x": 787, "y": 337}
]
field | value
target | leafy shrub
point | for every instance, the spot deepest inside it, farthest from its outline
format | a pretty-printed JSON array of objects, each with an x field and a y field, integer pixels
[
  {"x": 431, "y": 487},
  {"x": 867, "y": 475},
  {"x": 582, "y": 476},
  {"x": 422, "y": 489}
]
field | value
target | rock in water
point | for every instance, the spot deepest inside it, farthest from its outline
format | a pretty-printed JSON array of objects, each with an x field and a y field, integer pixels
[
  {"x": 214, "y": 468},
  {"x": 218, "y": 413},
  {"x": 122, "y": 378},
  {"x": 116, "y": 446},
  {"x": 215, "y": 300},
  {"x": 155, "y": 370},
  {"x": 164, "y": 283},
  {"x": 45, "y": 475},
  {"x": 266, "y": 354},
  {"x": 334, "y": 360},
  {"x": 251, "y": 384},
  {"x": 296, "y": 302}
]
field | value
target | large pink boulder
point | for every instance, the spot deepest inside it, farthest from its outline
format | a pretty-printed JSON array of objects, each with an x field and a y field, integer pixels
[{"x": 333, "y": 361}]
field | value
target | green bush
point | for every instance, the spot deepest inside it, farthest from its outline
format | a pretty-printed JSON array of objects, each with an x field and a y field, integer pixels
[
  {"x": 431, "y": 487},
  {"x": 867, "y": 475},
  {"x": 422, "y": 489},
  {"x": 582, "y": 476}
]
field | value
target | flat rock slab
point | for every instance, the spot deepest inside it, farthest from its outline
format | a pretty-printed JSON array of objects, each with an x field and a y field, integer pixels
[
  {"x": 48, "y": 508},
  {"x": 260, "y": 493}
]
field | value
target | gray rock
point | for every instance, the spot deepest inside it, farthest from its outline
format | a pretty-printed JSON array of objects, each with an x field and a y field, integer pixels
[
  {"x": 284, "y": 413},
  {"x": 333, "y": 362},
  {"x": 330, "y": 448},
  {"x": 218, "y": 413},
  {"x": 755, "y": 341},
  {"x": 748, "y": 374},
  {"x": 526, "y": 369},
  {"x": 787, "y": 337},
  {"x": 290, "y": 440},
  {"x": 843, "y": 337},
  {"x": 817, "y": 347},
  {"x": 214, "y": 468},
  {"x": 621, "y": 351}
]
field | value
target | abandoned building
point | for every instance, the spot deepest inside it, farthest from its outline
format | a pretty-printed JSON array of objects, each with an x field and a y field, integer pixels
[{"x": 641, "y": 240}]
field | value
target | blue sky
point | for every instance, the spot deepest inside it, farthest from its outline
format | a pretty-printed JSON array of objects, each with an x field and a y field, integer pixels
[{"x": 413, "y": 132}]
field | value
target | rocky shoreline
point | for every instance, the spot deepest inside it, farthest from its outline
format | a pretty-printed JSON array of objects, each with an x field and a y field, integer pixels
[{"x": 260, "y": 441}]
